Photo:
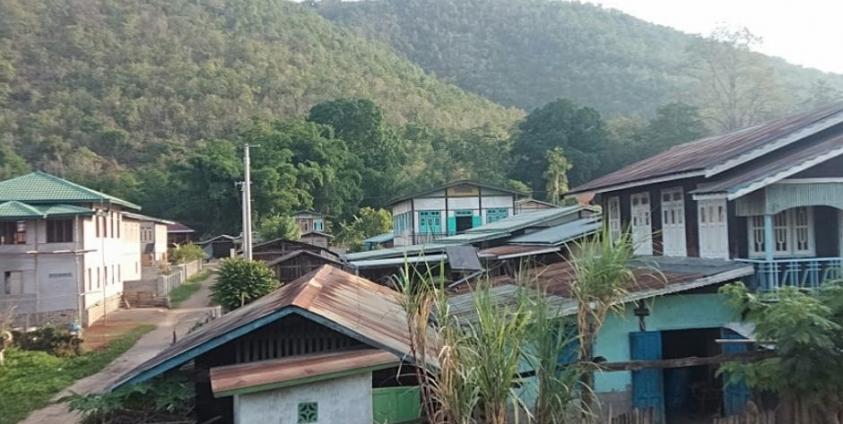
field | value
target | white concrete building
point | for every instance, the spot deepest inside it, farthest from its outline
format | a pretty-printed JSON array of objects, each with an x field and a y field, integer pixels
[
  {"x": 448, "y": 210},
  {"x": 65, "y": 250}
]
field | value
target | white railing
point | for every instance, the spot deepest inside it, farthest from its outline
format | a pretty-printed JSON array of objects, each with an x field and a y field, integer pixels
[{"x": 805, "y": 273}]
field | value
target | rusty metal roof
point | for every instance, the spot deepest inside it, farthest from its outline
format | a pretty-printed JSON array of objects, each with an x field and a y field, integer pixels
[
  {"x": 352, "y": 305},
  {"x": 698, "y": 157},
  {"x": 285, "y": 372},
  {"x": 296, "y": 253}
]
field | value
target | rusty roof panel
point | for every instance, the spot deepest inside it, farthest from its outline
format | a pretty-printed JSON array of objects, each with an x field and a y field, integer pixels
[
  {"x": 286, "y": 371},
  {"x": 711, "y": 151}
]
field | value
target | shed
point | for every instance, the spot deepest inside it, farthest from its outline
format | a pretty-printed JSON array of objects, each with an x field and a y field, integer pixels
[
  {"x": 317, "y": 238},
  {"x": 300, "y": 262},
  {"x": 220, "y": 246},
  {"x": 270, "y": 250}
]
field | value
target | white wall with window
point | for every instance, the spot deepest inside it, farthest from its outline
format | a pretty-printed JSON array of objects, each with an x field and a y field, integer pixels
[{"x": 793, "y": 233}]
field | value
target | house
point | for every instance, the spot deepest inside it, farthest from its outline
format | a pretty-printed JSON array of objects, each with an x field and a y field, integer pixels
[
  {"x": 65, "y": 250},
  {"x": 270, "y": 250},
  {"x": 221, "y": 246},
  {"x": 447, "y": 210},
  {"x": 317, "y": 238},
  {"x": 153, "y": 238},
  {"x": 671, "y": 311},
  {"x": 327, "y": 345},
  {"x": 530, "y": 204},
  {"x": 310, "y": 220},
  {"x": 293, "y": 265},
  {"x": 770, "y": 195},
  {"x": 179, "y": 234}
]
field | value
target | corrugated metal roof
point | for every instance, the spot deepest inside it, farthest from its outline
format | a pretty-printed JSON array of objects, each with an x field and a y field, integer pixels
[
  {"x": 525, "y": 220},
  {"x": 380, "y": 238},
  {"x": 560, "y": 234},
  {"x": 41, "y": 187},
  {"x": 398, "y": 252},
  {"x": 655, "y": 276},
  {"x": 776, "y": 167},
  {"x": 390, "y": 262},
  {"x": 709, "y": 152},
  {"x": 295, "y": 253},
  {"x": 272, "y": 374},
  {"x": 508, "y": 251},
  {"x": 463, "y": 258},
  {"x": 139, "y": 217},
  {"x": 352, "y": 305},
  {"x": 178, "y": 227},
  {"x": 14, "y": 210},
  {"x": 452, "y": 184}
]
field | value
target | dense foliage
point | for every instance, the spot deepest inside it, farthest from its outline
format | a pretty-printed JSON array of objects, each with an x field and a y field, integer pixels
[
  {"x": 367, "y": 222},
  {"x": 186, "y": 253},
  {"x": 91, "y": 86},
  {"x": 526, "y": 53},
  {"x": 240, "y": 282},
  {"x": 278, "y": 226},
  {"x": 165, "y": 399}
]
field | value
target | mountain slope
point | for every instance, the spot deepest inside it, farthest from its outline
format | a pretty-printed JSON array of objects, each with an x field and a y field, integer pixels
[
  {"x": 526, "y": 53},
  {"x": 104, "y": 83}
]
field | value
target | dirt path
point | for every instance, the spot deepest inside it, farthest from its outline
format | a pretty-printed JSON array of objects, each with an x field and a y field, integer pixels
[{"x": 179, "y": 320}]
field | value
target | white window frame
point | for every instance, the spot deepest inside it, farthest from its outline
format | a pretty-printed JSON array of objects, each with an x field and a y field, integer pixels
[
  {"x": 613, "y": 204},
  {"x": 678, "y": 220},
  {"x": 785, "y": 232},
  {"x": 643, "y": 243},
  {"x": 713, "y": 234}
]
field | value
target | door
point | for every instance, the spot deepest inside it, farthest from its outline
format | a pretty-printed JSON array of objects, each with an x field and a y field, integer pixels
[
  {"x": 735, "y": 394},
  {"x": 647, "y": 384},
  {"x": 464, "y": 220},
  {"x": 714, "y": 230},
  {"x": 642, "y": 230},
  {"x": 673, "y": 223}
]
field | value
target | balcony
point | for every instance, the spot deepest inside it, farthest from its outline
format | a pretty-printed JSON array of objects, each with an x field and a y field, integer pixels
[{"x": 803, "y": 273}]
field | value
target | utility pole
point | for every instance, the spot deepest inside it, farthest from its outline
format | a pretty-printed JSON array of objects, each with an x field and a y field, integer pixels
[{"x": 247, "y": 204}]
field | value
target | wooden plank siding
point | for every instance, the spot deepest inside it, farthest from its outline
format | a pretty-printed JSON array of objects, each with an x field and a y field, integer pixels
[{"x": 691, "y": 230}]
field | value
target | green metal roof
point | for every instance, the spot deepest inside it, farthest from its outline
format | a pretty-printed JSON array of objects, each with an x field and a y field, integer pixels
[
  {"x": 14, "y": 210},
  {"x": 560, "y": 233},
  {"x": 41, "y": 187},
  {"x": 525, "y": 220}
]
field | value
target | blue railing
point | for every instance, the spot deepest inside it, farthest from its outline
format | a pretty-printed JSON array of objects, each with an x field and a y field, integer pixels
[{"x": 805, "y": 273}]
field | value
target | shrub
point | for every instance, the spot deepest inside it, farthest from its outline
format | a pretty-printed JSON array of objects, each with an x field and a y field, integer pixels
[
  {"x": 49, "y": 339},
  {"x": 186, "y": 253},
  {"x": 166, "y": 399},
  {"x": 240, "y": 282}
]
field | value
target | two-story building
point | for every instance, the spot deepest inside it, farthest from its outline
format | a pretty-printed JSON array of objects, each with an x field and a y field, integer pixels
[
  {"x": 153, "y": 237},
  {"x": 65, "y": 250},
  {"x": 449, "y": 210},
  {"x": 770, "y": 195}
]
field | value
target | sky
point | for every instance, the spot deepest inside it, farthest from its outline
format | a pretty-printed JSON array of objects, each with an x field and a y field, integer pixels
[{"x": 804, "y": 32}]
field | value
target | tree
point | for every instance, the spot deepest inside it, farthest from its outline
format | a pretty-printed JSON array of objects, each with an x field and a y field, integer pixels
[
  {"x": 822, "y": 93},
  {"x": 674, "y": 124},
  {"x": 368, "y": 222},
  {"x": 278, "y": 226},
  {"x": 806, "y": 330},
  {"x": 11, "y": 165},
  {"x": 736, "y": 87},
  {"x": 240, "y": 282},
  {"x": 556, "y": 175},
  {"x": 579, "y": 131}
]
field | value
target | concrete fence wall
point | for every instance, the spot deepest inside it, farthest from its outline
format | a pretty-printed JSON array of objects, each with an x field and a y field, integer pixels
[{"x": 153, "y": 290}]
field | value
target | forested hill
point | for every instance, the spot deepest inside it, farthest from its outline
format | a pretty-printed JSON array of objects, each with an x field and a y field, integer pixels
[
  {"x": 526, "y": 53},
  {"x": 93, "y": 85}
]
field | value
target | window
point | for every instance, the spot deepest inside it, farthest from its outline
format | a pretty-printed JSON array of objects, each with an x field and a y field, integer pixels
[
  {"x": 793, "y": 233},
  {"x": 614, "y": 206},
  {"x": 13, "y": 233},
  {"x": 308, "y": 412},
  {"x": 497, "y": 214},
  {"x": 12, "y": 283},
  {"x": 90, "y": 281},
  {"x": 59, "y": 230},
  {"x": 430, "y": 222},
  {"x": 401, "y": 222},
  {"x": 318, "y": 225}
]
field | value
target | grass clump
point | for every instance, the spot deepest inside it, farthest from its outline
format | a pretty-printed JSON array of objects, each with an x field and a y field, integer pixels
[{"x": 30, "y": 379}]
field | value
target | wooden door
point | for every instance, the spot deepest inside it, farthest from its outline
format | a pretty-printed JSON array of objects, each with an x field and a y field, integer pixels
[
  {"x": 642, "y": 229},
  {"x": 713, "y": 228},
  {"x": 673, "y": 223}
]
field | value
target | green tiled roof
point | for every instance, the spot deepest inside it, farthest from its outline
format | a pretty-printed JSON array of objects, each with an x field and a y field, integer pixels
[
  {"x": 18, "y": 210},
  {"x": 40, "y": 187}
]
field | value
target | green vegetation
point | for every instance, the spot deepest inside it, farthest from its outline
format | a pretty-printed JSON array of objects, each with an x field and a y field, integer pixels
[
  {"x": 278, "y": 226},
  {"x": 188, "y": 287},
  {"x": 30, "y": 379},
  {"x": 186, "y": 253},
  {"x": 366, "y": 223},
  {"x": 527, "y": 53},
  {"x": 164, "y": 399},
  {"x": 240, "y": 282}
]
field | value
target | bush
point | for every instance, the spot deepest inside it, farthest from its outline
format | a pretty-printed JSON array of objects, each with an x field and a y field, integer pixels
[
  {"x": 165, "y": 399},
  {"x": 49, "y": 339},
  {"x": 186, "y": 253},
  {"x": 240, "y": 282}
]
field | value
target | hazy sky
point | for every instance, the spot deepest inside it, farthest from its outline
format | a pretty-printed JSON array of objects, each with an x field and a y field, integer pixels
[{"x": 805, "y": 32}]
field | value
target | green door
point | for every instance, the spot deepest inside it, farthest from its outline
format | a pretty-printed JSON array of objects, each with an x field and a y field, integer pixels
[{"x": 393, "y": 405}]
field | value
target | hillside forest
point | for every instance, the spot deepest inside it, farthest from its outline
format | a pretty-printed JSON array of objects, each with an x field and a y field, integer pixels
[{"x": 152, "y": 101}]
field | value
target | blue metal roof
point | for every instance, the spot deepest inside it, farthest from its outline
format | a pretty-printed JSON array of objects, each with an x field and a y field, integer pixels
[
  {"x": 561, "y": 233},
  {"x": 526, "y": 220},
  {"x": 380, "y": 238}
]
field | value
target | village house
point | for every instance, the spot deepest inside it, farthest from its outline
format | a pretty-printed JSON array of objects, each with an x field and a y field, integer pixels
[
  {"x": 179, "y": 234},
  {"x": 324, "y": 348},
  {"x": 221, "y": 246},
  {"x": 310, "y": 220},
  {"x": 65, "y": 250},
  {"x": 448, "y": 210},
  {"x": 153, "y": 238},
  {"x": 762, "y": 204}
]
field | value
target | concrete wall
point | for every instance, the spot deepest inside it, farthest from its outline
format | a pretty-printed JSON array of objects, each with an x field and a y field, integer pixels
[
  {"x": 154, "y": 289},
  {"x": 342, "y": 400}
]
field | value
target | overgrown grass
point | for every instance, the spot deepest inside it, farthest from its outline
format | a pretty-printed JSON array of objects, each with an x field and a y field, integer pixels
[
  {"x": 186, "y": 289},
  {"x": 30, "y": 379}
]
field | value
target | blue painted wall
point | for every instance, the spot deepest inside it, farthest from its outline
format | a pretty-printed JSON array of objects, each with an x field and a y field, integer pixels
[{"x": 672, "y": 312}]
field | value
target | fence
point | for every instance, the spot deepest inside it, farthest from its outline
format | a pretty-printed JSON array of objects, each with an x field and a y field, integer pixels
[
  {"x": 636, "y": 416},
  {"x": 153, "y": 291}
]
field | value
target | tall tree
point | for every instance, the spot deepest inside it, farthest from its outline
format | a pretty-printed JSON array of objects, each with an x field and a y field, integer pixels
[
  {"x": 557, "y": 175},
  {"x": 736, "y": 88},
  {"x": 579, "y": 131},
  {"x": 674, "y": 123}
]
